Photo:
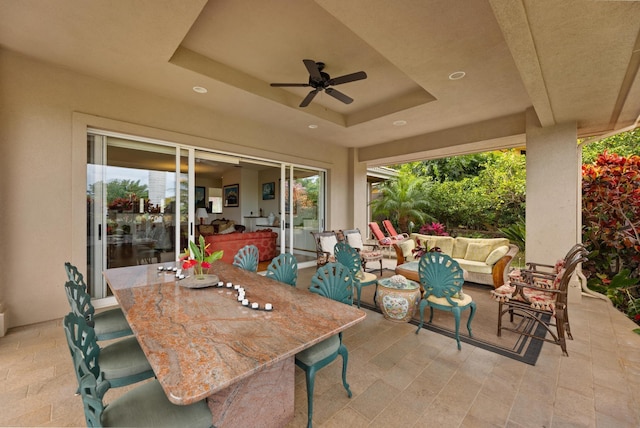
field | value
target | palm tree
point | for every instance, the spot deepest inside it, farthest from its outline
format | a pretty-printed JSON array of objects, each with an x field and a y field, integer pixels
[{"x": 403, "y": 199}]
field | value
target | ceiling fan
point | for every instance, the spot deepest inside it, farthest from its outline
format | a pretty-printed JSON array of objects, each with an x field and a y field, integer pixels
[{"x": 321, "y": 81}]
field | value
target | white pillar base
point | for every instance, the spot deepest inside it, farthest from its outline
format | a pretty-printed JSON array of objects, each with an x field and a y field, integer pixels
[{"x": 3, "y": 325}]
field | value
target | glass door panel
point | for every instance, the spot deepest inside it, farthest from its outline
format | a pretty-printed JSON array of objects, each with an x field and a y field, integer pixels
[
  {"x": 132, "y": 206},
  {"x": 304, "y": 207}
]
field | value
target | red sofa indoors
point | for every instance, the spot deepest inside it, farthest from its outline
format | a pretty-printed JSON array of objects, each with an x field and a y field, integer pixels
[{"x": 230, "y": 243}]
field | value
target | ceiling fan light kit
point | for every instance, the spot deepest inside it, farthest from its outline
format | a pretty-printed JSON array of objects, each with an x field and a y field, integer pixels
[{"x": 321, "y": 81}]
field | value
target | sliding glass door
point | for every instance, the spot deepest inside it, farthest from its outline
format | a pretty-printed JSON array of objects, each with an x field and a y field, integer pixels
[
  {"x": 304, "y": 207},
  {"x": 142, "y": 197},
  {"x": 134, "y": 215}
]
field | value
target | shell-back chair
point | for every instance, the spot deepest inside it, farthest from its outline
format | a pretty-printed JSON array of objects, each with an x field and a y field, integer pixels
[
  {"x": 442, "y": 279},
  {"x": 333, "y": 281},
  {"x": 348, "y": 256},
  {"x": 368, "y": 252},
  {"x": 146, "y": 405},
  {"x": 284, "y": 268},
  {"x": 122, "y": 362},
  {"x": 247, "y": 258},
  {"x": 108, "y": 324}
]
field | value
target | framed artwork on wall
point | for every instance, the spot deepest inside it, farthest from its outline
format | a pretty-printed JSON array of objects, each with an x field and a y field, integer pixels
[
  {"x": 231, "y": 194},
  {"x": 269, "y": 190},
  {"x": 200, "y": 197}
]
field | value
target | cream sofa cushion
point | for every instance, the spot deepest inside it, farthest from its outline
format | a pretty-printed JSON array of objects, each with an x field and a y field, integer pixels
[
  {"x": 477, "y": 252},
  {"x": 444, "y": 242},
  {"x": 471, "y": 266}
]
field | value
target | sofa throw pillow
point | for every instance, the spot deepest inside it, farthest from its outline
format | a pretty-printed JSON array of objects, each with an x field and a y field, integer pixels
[
  {"x": 230, "y": 227},
  {"x": 206, "y": 229},
  {"x": 355, "y": 240},
  {"x": 407, "y": 247},
  {"x": 327, "y": 243},
  {"x": 496, "y": 255},
  {"x": 477, "y": 252}
]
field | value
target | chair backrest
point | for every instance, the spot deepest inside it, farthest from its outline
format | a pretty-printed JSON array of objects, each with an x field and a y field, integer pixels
[
  {"x": 349, "y": 257},
  {"x": 247, "y": 258},
  {"x": 92, "y": 390},
  {"x": 74, "y": 275},
  {"x": 389, "y": 228},
  {"x": 325, "y": 241},
  {"x": 81, "y": 338},
  {"x": 354, "y": 238},
  {"x": 79, "y": 301},
  {"x": 377, "y": 233},
  {"x": 284, "y": 268},
  {"x": 334, "y": 281},
  {"x": 440, "y": 276},
  {"x": 564, "y": 276}
]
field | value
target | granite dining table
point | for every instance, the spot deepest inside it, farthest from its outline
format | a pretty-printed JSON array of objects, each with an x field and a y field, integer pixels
[{"x": 202, "y": 343}]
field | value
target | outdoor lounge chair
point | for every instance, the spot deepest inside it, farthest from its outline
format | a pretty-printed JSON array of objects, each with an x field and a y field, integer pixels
[{"x": 392, "y": 231}]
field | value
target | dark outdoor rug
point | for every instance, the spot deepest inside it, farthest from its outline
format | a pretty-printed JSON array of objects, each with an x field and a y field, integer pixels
[{"x": 484, "y": 324}]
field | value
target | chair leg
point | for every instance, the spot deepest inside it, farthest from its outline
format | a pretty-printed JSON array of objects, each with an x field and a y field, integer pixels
[
  {"x": 421, "y": 316},
  {"x": 310, "y": 376},
  {"x": 567, "y": 327},
  {"x": 345, "y": 359},
  {"x": 359, "y": 291},
  {"x": 499, "y": 333},
  {"x": 471, "y": 315},
  {"x": 380, "y": 267},
  {"x": 456, "y": 317},
  {"x": 560, "y": 328}
]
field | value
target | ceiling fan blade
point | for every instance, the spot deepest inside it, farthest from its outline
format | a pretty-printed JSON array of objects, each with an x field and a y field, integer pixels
[
  {"x": 300, "y": 85},
  {"x": 309, "y": 97},
  {"x": 348, "y": 78},
  {"x": 339, "y": 95},
  {"x": 312, "y": 68}
]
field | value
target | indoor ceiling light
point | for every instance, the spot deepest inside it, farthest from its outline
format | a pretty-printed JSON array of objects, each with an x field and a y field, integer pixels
[
  {"x": 400, "y": 122},
  {"x": 457, "y": 75},
  {"x": 313, "y": 126},
  {"x": 200, "y": 89}
]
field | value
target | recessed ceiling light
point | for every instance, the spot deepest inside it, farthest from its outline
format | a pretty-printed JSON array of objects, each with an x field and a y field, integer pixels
[
  {"x": 457, "y": 75},
  {"x": 400, "y": 122},
  {"x": 313, "y": 126},
  {"x": 200, "y": 89}
]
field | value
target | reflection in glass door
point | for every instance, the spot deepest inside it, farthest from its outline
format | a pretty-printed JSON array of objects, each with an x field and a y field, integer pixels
[{"x": 132, "y": 208}]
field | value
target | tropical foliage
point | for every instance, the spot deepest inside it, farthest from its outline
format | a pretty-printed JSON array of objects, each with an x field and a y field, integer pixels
[
  {"x": 403, "y": 199},
  {"x": 611, "y": 213}
]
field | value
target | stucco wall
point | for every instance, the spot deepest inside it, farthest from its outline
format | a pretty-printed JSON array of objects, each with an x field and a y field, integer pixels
[{"x": 42, "y": 186}]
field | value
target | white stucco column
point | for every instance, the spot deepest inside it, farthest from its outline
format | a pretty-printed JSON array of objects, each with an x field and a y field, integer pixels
[
  {"x": 553, "y": 214},
  {"x": 358, "y": 193}
]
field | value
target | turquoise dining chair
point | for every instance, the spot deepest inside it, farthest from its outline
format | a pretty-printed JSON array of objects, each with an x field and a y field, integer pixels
[
  {"x": 108, "y": 324},
  {"x": 442, "y": 279},
  {"x": 143, "y": 406},
  {"x": 349, "y": 257},
  {"x": 247, "y": 258},
  {"x": 333, "y": 281},
  {"x": 122, "y": 362},
  {"x": 284, "y": 268}
]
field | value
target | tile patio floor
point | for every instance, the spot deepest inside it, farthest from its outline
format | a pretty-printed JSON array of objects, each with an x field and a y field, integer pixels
[{"x": 398, "y": 379}]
